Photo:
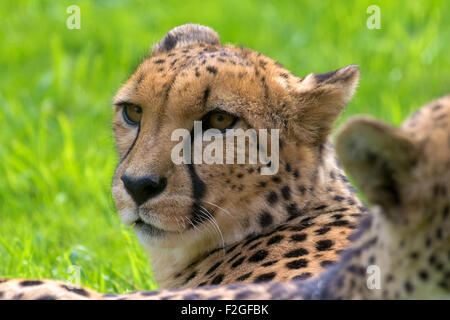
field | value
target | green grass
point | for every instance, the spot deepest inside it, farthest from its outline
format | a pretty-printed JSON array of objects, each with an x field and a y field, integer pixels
[{"x": 56, "y": 150}]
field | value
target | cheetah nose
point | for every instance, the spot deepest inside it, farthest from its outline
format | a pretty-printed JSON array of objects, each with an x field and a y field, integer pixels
[{"x": 143, "y": 188}]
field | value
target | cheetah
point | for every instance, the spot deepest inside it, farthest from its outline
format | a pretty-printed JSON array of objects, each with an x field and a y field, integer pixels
[
  {"x": 217, "y": 224},
  {"x": 405, "y": 174},
  {"x": 208, "y": 224}
]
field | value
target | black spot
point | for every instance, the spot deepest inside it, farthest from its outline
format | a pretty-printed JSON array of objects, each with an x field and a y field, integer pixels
[
  {"x": 286, "y": 192},
  {"x": 206, "y": 95},
  {"x": 229, "y": 250},
  {"x": 191, "y": 276},
  {"x": 234, "y": 257},
  {"x": 322, "y": 230},
  {"x": 265, "y": 277},
  {"x": 265, "y": 219},
  {"x": 287, "y": 167},
  {"x": 389, "y": 278},
  {"x": 169, "y": 42},
  {"x": 244, "y": 277},
  {"x": 254, "y": 246},
  {"x": 217, "y": 280},
  {"x": 293, "y": 211},
  {"x": 214, "y": 267},
  {"x": 439, "y": 233},
  {"x": 30, "y": 283},
  {"x": 324, "y": 76},
  {"x": 408, "y": 287},
  {"x": 258, "y": 256},
  {"x": 436, "y": 107},
  {"x": 296, "y": 253},
  {"x": 275, "y": 239},
  {"x": 79, "y": 291},
  {"x": 269, "y": 263},
  {"x": 301, "y": 226},
  {"x": 423, "y": 275},
  {"x": 211, "y": 69},
  {"x": 446, "y": 211},
  {"x": 339, "y": 223},
  {"x": 338, "y": 198},
  {"x": 327, "y": 263},
  {"x": 238, "y": 262},
  {"x": 432, "y": 259},
  {"x": 414, "y": 255},
  {"x": 159, "y": 61},
  {"x": 297, "y": 264},
  {"x": 272, "y": 197},
  {"x": 251, "y": 238},
  {"x": 323, "y": 245},
  {"x": 276, "y": 179},
  {"x": 303, "y": 276},
  {"x": 302, "y": 189},
  {"x": 299, "y": 237},
  {"x": 444, "y": 285}
]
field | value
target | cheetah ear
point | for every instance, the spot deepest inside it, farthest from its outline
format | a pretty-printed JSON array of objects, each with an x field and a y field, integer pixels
[
  {"x": 321, "y": 98},
  {"x": 186, "y": 35},
  {"x": 378, "y": 156}
]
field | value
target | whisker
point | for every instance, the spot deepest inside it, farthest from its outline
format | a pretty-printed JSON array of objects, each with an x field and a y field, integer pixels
[
  {"x": 219, "y": 207},
  {"x": 215, "y": 224}
]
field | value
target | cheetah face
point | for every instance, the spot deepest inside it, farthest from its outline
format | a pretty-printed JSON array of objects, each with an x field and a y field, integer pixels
[{"x": 190, "y": 77}]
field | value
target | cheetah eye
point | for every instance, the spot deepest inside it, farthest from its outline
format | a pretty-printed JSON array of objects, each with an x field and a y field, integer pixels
[
  {"x": 132, "y": 114},
  {"x": 219, "y": 120}
]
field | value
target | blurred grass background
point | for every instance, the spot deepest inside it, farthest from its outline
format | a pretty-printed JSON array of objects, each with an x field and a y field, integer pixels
[{"x": 56, "y": 148}]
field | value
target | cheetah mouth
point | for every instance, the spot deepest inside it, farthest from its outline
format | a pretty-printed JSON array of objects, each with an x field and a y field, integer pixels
[{"x": 148, "y": 229}]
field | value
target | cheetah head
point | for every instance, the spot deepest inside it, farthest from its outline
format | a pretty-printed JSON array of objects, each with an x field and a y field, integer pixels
[
  {"x": 405, "y": 173},
  {"x": 190, "y": 77}
]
